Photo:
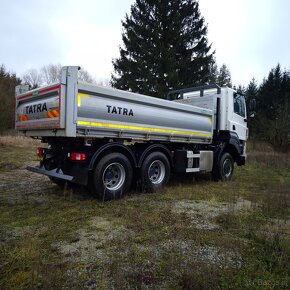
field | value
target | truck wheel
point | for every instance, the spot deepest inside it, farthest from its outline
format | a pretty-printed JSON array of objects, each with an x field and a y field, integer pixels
[
  {"x": 225, "y": 168},
  {"x": 112, "y": 176},
  {"x": 155, "y": 172}
]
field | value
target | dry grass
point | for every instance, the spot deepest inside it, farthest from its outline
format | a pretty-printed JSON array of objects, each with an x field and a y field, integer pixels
[
  {"x": 260, "y": 146},
  {"x": 52, "y": 240},
  {"x": 263, "y": 154},
  {"x": 17, "y": 140}
]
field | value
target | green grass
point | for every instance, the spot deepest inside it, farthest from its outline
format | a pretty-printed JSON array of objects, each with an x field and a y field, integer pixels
[{"x": 55, "y": 239}]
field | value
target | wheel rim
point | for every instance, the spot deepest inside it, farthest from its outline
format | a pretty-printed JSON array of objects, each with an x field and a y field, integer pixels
[
  {"x": 114, "y": 176},
  {"x": 156, "y": 172},
  {"x": 227, "y": 167}
]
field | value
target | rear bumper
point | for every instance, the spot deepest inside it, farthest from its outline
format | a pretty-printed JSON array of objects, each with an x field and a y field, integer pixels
[{"x": 56, "y": 173}]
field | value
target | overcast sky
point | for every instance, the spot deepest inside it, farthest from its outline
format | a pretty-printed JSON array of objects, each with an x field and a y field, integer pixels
[{"x": 249, "y": 36}]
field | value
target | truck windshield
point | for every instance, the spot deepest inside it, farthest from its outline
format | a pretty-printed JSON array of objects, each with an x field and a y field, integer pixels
[{"x": 239, "y": 105}]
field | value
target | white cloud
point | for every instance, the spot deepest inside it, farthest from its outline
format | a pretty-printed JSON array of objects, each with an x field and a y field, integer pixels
[{"x": 250, "y": 37}]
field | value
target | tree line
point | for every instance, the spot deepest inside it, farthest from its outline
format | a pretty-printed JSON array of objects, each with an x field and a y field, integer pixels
[
  {"x": 271, "y": 122},
  {"x": 164, "y": 47},
  {"x": 8, "y": 81}
]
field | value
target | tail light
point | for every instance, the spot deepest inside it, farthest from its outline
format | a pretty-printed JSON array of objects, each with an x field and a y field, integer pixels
[
  {"x": 40, "y": 151},
  {"x": 76, "y": 156}
]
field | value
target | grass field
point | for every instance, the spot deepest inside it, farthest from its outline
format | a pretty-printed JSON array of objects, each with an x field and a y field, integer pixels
[{"x": 196, "y": 234}]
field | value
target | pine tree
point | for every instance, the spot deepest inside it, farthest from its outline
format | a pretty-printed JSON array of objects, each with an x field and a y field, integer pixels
[
  {"x": 213, "y": 72},
  {"x": 224, "y": 77},
  {"x": 251, "y": 93},
  {"x": 270, "y": 93},
  {"x": 273, "y": 108},
  {"x": 8, "y": 81},
  {"x": 165, "y": 47}
]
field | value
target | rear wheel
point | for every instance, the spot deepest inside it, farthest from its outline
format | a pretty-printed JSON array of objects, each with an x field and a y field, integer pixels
[
  {"x": 112, "y": 176},
  {"x": 155, "y": 171}
]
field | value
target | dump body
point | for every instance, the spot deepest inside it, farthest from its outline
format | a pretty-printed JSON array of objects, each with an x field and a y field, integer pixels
[{"x": 76, "y": 109}]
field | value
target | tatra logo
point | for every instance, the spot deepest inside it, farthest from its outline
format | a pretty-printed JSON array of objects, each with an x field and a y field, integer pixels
[
  {"x": 37, "y": 108},
  {"x": 120, "y": 111}
]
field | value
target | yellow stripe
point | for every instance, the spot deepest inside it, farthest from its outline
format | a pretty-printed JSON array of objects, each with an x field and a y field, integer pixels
[
  {"x": 210, "y": 120},
  {"x": 137, "y": 128},
  {"x": 82, "y": 96}
]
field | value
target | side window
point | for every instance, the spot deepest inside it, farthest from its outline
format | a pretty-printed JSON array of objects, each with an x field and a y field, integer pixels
[{"x": 239, "y": 105}]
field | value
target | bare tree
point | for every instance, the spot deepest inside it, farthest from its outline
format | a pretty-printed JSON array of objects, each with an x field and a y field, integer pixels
[
  {"x": 85, "y": 76},
  {"x": 51, "y": 73},
  {"x": 33, "y": 78},
  {"x": 103, "y": 82}
]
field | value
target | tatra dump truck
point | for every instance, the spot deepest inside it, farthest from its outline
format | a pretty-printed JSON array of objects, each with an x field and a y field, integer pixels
[{"x": 106, "y": 138}]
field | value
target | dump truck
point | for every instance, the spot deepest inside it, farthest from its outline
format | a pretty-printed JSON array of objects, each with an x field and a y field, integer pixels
[{"x": 109, "y": 139}]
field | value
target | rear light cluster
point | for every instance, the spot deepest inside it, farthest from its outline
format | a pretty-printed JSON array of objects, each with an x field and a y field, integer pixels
[
  {"x": 77, "y": 156},
  {"x": 40, "y": 151},
  {"x": 74, "y": 156}
]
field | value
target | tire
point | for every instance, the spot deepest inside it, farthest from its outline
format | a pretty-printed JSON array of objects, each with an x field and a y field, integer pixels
[
  {"x": 112, "y": 176},
  {"x": 155, "y": 172},
  {"x": 225, "y": 168}
]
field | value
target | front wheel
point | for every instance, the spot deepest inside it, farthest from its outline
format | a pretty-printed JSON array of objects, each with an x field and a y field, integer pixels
[
  {"x": 155, "y": 171},
  {"x": 112, "y": 176},
  {"x": 225, "y": 168}
]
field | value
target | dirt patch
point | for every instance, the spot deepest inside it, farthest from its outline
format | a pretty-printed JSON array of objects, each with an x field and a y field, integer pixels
[
  {"x": 90, "y": 243},
  {"x": 277, "y": 227},
  {"x": 208, "y": 254},
  {"x": 22, "y": 184},
  {"x": 202, "y": 213},
  {"x": 14, "y": 234}
]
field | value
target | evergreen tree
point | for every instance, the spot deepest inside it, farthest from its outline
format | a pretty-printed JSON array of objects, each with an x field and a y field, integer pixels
[
  {"x": 273, "y": 108},
  {"x": 224, "y": 77},
  {"x": 241, "y": 89},
  {"x": 165, "y": 47},
  {"x": 251, "y": 93},
  {"x": 8, "y": 81},
  {"x": 213, "y": 72}
]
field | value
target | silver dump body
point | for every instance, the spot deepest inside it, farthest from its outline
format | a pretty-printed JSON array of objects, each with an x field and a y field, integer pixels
[{"x": 75, "y": 109}]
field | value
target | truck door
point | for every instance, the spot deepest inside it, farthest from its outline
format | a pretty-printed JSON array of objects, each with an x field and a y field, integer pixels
[{"x": 238, "y": 122}]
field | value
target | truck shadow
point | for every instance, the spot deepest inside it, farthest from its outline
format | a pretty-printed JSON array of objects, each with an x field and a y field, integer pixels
[
  {"x": 78, "y": 192},
  {"x": 189, "y": 178}
]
